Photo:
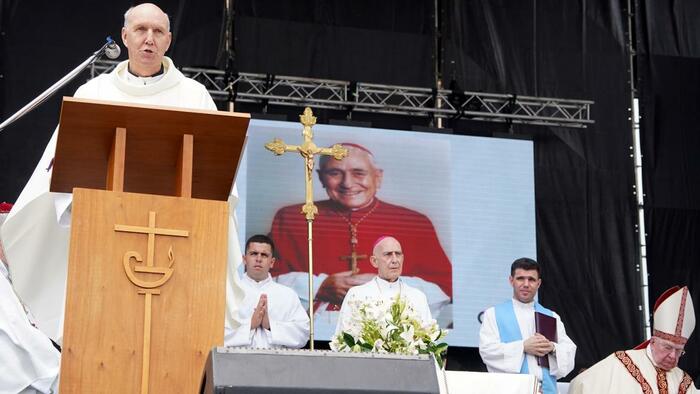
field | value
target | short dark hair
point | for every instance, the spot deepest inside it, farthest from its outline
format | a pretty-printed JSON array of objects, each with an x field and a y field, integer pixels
[
  {"x": 261, "y": 239},
  {"x": 526, "y": 264}
]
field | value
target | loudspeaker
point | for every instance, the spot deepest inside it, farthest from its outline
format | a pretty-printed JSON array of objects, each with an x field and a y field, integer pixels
[{"x": 239, "y": 370}]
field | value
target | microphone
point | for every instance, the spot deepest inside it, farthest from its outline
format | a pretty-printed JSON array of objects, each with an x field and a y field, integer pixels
[{"x": 112, "y": 50}]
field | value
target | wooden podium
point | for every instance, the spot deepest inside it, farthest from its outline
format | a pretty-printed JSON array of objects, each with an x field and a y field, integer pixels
[{"x": 145, "y": 298}]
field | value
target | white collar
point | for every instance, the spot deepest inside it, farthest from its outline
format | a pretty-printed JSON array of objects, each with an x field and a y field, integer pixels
[
  {"x": 124, "y": 81},
  {"x": 385, "y": 284},
  {"x": 255, "y": 283},
  {"x": 523, "y": 305},
  {"x": 138, "y": 81}
]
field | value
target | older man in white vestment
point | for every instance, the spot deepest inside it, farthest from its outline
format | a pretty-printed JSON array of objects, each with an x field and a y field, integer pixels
[
  {"x": 30, "y": 362},
  {"x": 651, "y": 367},
  {"x": 387, "y": 257},
  {"x": 271, "y": 315},
  {"x": 508, "y": 342},
  {"x": 37, "y": 231}
]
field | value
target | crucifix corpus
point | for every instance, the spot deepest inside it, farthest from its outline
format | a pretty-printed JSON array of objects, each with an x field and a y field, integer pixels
[{"x": 308, "y": 150}]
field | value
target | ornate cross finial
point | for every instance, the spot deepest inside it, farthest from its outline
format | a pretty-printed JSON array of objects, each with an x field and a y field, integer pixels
[{"x": 308, "y": 150}]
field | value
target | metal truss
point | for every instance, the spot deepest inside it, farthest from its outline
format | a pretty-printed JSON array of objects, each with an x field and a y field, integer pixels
[{"x": 386, "y": 99}]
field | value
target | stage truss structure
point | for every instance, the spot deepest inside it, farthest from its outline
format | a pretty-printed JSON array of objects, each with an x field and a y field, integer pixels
[{"x": 348, "y": 96}]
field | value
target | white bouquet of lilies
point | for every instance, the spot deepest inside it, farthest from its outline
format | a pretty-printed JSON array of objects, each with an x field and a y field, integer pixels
[{"x": 377, "y": 326}]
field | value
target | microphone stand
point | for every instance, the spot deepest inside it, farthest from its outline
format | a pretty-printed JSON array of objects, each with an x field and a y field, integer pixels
[{"x": 51, "y": 90}]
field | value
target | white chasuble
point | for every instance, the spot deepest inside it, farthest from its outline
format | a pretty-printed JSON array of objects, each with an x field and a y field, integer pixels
[{"x": 631, "y": 372}]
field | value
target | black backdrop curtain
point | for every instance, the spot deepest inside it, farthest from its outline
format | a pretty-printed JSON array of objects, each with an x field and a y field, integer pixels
[
  {"x": 387, "y": 41},
  {"x": 574, "y": 49},
  {"x": 669, "y": 71},
  {"x": 583, "y": 178}
]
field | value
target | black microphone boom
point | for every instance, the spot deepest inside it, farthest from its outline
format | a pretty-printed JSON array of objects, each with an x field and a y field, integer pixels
[{"x": 110, "y": 48}]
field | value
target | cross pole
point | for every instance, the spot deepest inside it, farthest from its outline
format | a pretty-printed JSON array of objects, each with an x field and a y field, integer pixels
[{"x": 308, "y": 150}]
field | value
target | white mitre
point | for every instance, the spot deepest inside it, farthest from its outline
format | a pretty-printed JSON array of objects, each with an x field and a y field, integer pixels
[{"x": 674, "y": 315}]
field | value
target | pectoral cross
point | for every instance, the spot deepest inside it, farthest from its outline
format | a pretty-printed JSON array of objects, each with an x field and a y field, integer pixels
[
  {"x": 353, "y": 257},
  {"x": 308, "y": 150}
]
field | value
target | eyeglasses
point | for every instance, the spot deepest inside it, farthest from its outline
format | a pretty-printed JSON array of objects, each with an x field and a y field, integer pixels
[{"x": 668, "y": 349}]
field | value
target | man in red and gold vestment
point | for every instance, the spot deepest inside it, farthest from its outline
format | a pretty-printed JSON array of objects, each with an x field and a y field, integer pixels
[
  {"x": 651, "y": 367},
  {"x": 344, "y": 230}
]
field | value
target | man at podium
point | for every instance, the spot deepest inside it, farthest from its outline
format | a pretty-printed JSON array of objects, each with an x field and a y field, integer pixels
[
  {"x": 271, "y": 315},
  {"x": 37, "y": 231},
  {"x": 508, "y": 340}
]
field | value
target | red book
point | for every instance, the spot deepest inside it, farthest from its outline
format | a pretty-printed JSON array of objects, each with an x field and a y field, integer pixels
[{"x": 547, "y": 327}]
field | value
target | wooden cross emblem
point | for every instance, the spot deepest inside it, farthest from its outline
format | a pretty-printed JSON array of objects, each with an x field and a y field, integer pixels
[{"x": 148, "y": 288}]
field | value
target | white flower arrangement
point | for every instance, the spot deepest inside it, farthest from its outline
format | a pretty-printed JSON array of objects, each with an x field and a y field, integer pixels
[{"x": 377, "y": 326}]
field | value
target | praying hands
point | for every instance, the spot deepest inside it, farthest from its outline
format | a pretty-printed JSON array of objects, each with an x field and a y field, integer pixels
[{"x": 260, "y": 317}]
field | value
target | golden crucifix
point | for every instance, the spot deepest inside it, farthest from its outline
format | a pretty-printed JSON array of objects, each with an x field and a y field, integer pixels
[
  {"x": 148, "y": 288},
  {"x": 308, "y": 150}
]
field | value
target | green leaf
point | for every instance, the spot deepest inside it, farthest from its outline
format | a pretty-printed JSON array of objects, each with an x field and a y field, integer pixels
[
  {"x": 347, "y": 338},
  {"x": 441, "y": 347}
]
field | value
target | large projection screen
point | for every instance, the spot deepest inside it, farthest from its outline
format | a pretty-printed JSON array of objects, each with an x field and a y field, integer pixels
[{"x": 477, "y": 192}]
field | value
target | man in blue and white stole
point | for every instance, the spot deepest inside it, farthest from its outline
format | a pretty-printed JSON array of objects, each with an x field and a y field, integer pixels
[{"x": 508, "y": 342}]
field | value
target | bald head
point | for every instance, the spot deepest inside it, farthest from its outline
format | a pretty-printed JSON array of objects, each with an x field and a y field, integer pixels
[
  {"x": 146, "y": 36},
  {"x": 146, "y": 7},
  {"x": 387, "y": 258}
]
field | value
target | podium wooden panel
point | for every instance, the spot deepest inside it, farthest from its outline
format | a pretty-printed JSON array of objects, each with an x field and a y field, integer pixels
[
  {"x": 104, "y": 354},
  {"x": 145, "y": 299}
]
